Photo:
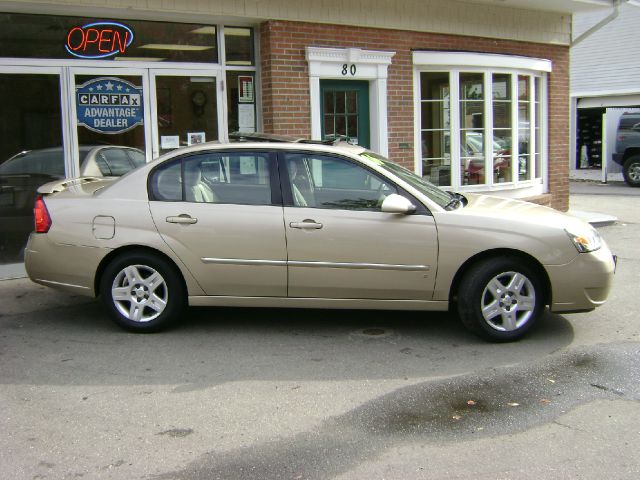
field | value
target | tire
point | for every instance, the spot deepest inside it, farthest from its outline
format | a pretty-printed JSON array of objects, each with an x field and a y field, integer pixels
[
  {"x": 500, "y": 299},
  {"x": 631, "y": 171},
  {"x": 142, "y": 292}
]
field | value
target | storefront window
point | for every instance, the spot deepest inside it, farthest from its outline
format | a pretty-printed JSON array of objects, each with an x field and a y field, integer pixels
[
  {"x": 472, "y": 141},
  {"x": 502, "y": 128},
  {"x": 436, "y": 127},
  {"x": 496, "y": 137},
  {"x": 31, "y": 153},
  {"x": 49, "y": 36},
  {"x": 187, "y": 110},
  {"x": 238, "y": 43},
  {"x": 241, "y": 101},
  {"x": 538, "y": 128}
]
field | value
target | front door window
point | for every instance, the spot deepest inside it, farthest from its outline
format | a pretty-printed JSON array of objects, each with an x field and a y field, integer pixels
[
  {"x": 345, "y": 110},
  {"x": 187, "y": 110},
  {"x": 110, "y": 111}
]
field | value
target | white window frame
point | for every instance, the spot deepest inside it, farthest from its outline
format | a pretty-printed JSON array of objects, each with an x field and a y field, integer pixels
[
  {"x": 369, "y": 65},
  {"x": 488, "y": 64}
]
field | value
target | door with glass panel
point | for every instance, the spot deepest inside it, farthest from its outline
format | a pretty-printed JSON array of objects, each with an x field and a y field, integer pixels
[
  {"x": 110, "y": 108},
  {"x": 31, "y": 152},
  {"x": 186, "y": 109},
  {"x": 345, "y": 110}
]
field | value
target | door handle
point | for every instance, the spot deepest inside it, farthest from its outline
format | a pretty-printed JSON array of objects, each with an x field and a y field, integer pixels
[
  {"x": 306, "y": 224},
  {"x": 183, "y": 218}
]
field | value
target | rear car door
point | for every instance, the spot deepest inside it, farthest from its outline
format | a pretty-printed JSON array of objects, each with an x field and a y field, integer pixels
[
  {"x": 341, "y": 245},
  {"x": 221, "y": 213}
]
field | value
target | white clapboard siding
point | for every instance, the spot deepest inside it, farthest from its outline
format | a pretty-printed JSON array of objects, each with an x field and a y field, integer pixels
[
  {"x": 458, "y": 17},
  {"x": 608, "y": 61}
]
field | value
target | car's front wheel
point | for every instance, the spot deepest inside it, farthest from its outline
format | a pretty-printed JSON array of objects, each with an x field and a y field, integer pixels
[
  {"x": 142, "y": 292},
  {"x": 631, "y": 171},
  {"x": 500, "y": 299}
]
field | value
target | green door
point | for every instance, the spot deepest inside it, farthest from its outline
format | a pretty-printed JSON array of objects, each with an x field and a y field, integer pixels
[{"x": 345, "y": 110}]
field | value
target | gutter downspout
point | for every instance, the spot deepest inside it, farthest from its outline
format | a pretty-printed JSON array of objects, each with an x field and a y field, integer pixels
[{"x": 605, "y": 21}]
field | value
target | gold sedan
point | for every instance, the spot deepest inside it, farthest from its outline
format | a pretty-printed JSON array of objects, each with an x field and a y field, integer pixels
[{"x": 301, "y": 224}]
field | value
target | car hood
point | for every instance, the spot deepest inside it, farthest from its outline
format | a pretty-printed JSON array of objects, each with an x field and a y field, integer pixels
[{"x": 516, "y": 211}]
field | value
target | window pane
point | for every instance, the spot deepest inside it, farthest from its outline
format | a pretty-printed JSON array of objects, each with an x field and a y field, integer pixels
[
  {"x": 166, "y": 182},
  {"x": 330, "y": 182},
  {"x": 538, "y": 129},
  {"x": 501, "y": 87},
  {"x": 472, "y": 162},
  {"x": 239, "y": 178},
  {"x": 241, "y": 101},
  {"x": 434, "y": 85},
  {"x": 435, "y": 115},
  {"x": 523, "y": 87},
  {"x": 45, "y": 36},
  {"x": 187, "y": 105},
  {"x": 31, "y": 153},
  {"x": 352, "y": 101},
  {"x": 436, "y": 144},
  {"x": 471, "y": 86},
  {"x": 117, "y": 161},
  {"x": 238, "y": 43},
  {"x": 502, "y": 114}
]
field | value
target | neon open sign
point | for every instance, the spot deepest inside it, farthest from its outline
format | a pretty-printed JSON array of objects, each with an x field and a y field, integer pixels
[{"x": 99, "y": 40}]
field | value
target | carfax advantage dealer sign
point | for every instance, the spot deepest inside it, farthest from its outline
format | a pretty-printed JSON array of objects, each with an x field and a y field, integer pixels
[{"x": 109, "y": 105}]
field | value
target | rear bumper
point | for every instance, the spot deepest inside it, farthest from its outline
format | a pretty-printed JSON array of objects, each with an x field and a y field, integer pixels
[
  {"x": 65, "y": 267},
  {"x": 584, "y": 283}
]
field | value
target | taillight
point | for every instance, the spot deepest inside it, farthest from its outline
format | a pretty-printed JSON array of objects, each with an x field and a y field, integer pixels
[{"x": 41, "y": 216}]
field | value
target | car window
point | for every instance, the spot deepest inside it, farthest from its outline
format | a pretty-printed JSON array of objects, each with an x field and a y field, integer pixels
[
  {"x": 137, "y": 157},
  {"x": 215, "y": 177},
  {"x": 166, "y": 182},
  {"x": 324, "y": 181},
  {"x": 35, "y": 162},
  {"x": 117, "y": 162}
]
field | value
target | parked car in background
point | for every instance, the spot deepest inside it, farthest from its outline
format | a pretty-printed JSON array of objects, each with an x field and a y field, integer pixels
[
  {"x": 627, "y": 152},
  {"x": 304, "y": 224},
  {"x": 22, "y": 174}
]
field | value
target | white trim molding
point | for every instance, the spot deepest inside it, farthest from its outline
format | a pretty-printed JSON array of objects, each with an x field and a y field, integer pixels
[
  {"x": 456, "y": 63},
  {"x": 369, "y": 65},
  {"x": 493, "y": 60}
]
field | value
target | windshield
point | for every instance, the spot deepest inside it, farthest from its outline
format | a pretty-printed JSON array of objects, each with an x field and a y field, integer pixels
[{"x": 425, "y": 187}]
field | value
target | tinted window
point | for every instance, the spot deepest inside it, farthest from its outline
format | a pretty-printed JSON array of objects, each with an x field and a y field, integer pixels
[
  {"x": 166, "y": 182},
  {"x": 323, "y": 181},
  {"x": 215, "y": 177},
  {"x": 43, "y": 162},
  {"x": 117, "y": 161}
]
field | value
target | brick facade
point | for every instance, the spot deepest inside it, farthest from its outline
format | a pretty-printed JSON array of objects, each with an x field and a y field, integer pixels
[{"x": 285, "y": 84}]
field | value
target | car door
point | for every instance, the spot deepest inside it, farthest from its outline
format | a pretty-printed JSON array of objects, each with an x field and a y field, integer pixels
[
  {"x": 341, "y": 245},
  {"x": 221, "y": 213}
]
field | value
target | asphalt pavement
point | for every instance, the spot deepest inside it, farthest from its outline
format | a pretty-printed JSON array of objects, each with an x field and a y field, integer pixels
[{"x": 311, "y": 394}]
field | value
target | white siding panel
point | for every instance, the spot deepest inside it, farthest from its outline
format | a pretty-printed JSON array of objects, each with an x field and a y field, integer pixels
[
  {"x": 608, "y": 60},
  {"x": 438, "y": 16}
]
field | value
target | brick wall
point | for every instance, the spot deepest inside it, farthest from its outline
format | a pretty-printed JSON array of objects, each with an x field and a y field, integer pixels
[{"x": 285, "y": 83}]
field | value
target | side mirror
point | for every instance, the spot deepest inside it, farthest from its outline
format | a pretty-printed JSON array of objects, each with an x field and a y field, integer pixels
[{"x": 395, "y": 203}]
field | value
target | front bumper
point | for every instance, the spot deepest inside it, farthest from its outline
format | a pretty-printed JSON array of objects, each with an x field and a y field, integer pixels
[{"x": 584, "y": 283}]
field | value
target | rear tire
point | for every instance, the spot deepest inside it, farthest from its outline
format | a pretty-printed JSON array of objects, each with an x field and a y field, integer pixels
[
  {"x": 631, "y": 171},
  {"x": 500, "y": 299},
  {"x": 142, "y": 292}
]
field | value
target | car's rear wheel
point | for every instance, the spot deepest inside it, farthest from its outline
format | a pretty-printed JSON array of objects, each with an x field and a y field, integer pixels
[
  {"x": 500, "y": 299},
  {"x": 142, "y": 292},
  {"x": 631, "y": 171}
]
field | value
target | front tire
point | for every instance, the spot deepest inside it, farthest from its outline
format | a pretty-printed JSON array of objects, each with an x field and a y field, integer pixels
[
  {"x": 500, "y": 299},
  {"x": 142, "y": 292},
  {"x": 631, "y": 171}
]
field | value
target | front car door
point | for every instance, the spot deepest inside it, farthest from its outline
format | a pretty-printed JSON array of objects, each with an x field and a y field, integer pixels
[
  {"x": 341, "y": 245},
  {"x": 221, "y": 213}
]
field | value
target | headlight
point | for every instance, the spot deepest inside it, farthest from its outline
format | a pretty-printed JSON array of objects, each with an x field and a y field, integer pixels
[{"x": 585, "y": 239}]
